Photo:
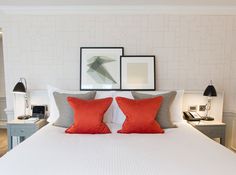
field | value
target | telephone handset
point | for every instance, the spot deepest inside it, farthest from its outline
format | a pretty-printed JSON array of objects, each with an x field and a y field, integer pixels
[{"x": 192, "y": 116}]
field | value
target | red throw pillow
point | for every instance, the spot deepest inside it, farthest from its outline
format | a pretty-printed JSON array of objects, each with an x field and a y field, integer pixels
[
  {"x": 88, "y": 116},
  {"x": 140, "y": 115}
]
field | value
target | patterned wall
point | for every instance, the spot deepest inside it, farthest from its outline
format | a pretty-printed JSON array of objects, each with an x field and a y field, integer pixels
[
  {"x": 2, "y": 82},
  {"x": 2, "y": 108},
  {"x": 190, "y": 49}
]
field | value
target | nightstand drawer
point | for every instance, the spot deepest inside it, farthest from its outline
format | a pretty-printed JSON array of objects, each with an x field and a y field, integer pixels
[
  {"x": 23, "y": 131},
  {"x": 212, "y": 131}
]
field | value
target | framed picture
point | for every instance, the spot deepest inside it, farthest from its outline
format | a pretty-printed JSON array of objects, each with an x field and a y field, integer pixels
[
  {"x": 100, "y": 68},
  {"x": 138, "y": 72}
]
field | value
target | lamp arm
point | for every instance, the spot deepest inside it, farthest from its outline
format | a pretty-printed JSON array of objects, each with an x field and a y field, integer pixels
[
  {"x": 208, "y": 106},
  {"x": 26, "y": 101}
]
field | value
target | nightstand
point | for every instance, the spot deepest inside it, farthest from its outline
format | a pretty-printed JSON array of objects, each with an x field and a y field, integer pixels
[
  {"x": 22, "y": 129},
  {"x": 212, "y": 129}
]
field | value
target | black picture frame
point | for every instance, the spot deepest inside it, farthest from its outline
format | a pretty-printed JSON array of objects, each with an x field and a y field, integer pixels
[
  {"x": 82, "y": 67},
  {"x": 153, "y": 67}
]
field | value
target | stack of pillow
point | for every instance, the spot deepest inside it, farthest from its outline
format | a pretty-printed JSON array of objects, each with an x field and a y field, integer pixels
[{"x": 139, "y": 112}]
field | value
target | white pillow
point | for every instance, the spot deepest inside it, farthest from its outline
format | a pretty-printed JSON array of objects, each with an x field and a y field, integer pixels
[
  {"x": 118, "y": 115},
  {"x": 109, "y": 113},
  {"x": 114, "y": 127},
  {"x": 176, "y": 107},
  {"x": 54, "y": 112}
]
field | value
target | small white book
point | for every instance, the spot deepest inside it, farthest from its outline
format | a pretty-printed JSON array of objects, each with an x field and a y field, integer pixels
[{"x": 31, "y": 120}]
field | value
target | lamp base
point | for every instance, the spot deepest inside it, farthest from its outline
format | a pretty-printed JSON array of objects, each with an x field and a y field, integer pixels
[
  {"x": 208, "y": 118},
  {"x": 23, "y": 117}
]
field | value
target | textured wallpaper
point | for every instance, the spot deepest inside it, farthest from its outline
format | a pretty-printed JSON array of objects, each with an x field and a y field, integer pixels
[
  {"x": 190, "y": 50},
  {"x": 2, "y": 82}
]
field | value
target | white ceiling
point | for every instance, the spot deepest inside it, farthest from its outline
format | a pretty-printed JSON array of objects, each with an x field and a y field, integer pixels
[{"x": 117, "y": 2}]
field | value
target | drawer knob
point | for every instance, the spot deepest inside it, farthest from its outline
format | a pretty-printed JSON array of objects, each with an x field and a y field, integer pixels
[{"x": 21, "y": 130}]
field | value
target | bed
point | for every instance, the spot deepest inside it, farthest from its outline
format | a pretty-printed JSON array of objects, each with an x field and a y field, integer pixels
[{"x": 180, "y": 151}]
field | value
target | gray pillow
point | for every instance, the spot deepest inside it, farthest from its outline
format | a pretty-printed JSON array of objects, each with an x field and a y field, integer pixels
[
  {"x": 163, "y": 117},
  {"x": 66, "y": 114}
]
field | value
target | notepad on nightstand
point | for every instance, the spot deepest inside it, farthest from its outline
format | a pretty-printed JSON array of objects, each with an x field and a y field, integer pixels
[{"x": 31, "y": 120}]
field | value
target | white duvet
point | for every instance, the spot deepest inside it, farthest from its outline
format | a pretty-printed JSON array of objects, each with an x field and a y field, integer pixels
[{"x": 180, "y": 151}]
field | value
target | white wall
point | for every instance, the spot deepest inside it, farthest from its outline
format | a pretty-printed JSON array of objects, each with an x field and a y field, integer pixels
[
  {"x": 230, "y": 137},
  {"x": 190, "y": 49},
  {"x": 2, "y": 82}
]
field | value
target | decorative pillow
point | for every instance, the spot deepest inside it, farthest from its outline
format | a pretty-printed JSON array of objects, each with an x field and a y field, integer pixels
[
  {"x": 109, "y": 114},
  {"x": 88, "y": 116},
  {"x": 176, "y": 108},
  {"x": 140, "y": 115},
  {"x": 163, "y": 117},
  {"x": 118, "y": 115},
  {"x": 66, "y": 118},
  {"x": 54, "y": 112}
]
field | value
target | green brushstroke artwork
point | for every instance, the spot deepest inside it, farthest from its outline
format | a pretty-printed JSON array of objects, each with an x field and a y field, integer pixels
[{"x": 97, "y": 70}]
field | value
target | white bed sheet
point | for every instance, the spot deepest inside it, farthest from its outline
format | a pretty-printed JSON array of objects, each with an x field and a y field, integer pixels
[{"x": 180, "y": 151}]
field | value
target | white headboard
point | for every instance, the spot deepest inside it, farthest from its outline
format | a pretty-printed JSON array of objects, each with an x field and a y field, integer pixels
[
  {"x": 39, "y": 97},
  {"x": 35, "y": 97},
  {"x": 193, "y": 98},
  {"x": 196, "y": 98}
]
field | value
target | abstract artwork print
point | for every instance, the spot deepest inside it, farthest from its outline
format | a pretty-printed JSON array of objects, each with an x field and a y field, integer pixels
[{"x": 100, "y": 68}]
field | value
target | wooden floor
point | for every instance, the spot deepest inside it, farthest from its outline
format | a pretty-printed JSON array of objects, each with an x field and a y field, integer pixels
[{"x": 3, "y": 142}]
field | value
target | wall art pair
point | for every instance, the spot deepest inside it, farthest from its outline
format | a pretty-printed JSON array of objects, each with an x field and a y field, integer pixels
[{"x": 107, "y": 68}]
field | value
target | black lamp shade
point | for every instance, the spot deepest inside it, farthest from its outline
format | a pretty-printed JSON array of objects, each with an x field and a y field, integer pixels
[
  {"x": 210, "y": 91},
  {"x": 19, "y": 88}
]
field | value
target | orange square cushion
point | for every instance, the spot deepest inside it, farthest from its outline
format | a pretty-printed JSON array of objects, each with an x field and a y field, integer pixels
[
  {"x": 88, "y": 116},
  {"x": 140, "y": 115}
]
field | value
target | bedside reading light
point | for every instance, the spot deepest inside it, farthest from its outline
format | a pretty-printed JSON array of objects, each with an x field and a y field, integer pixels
[
  {"x": 210, "y": 92},
  {"x": 21, "y": 88}
]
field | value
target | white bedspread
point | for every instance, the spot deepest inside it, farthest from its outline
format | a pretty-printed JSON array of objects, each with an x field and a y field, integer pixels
[{"x": 180, "y": 151}]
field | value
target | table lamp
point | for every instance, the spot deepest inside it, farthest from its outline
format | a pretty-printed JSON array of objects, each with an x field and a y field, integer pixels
[
  {"x": 210, "y": 92},
  {"x": 21, "y": 88}
]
